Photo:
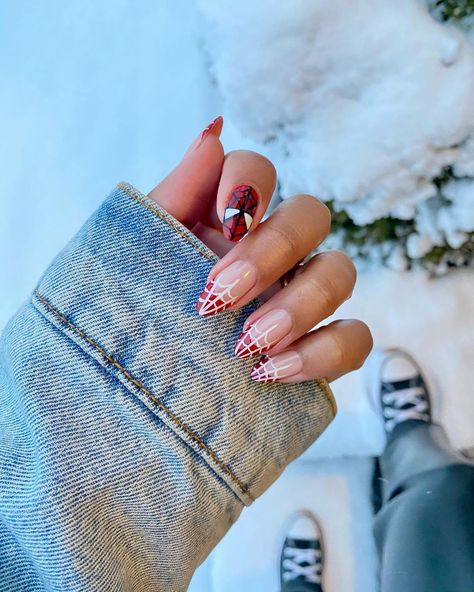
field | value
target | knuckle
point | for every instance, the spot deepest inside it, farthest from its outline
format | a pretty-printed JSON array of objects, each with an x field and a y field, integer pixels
[
  {"x": 337, "y": 351},
  {"x": 284, "y": 238},
  {"x": 326, "y": 292},
  {"x": 343, "y": 266},
  {"x": 313, "y": 211},
  {"x": 362, "y": 342},
  {"x": 256, "y": 157},
  {"x": 367, "y": 340},
  {"x": 324, "y": 214}
]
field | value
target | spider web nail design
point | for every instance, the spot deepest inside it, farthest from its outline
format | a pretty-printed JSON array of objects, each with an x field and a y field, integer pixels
[
  {"x": 270, "y": 369},
  {"x": 254, "y": 341},
  {"x": 216, "y": 296},
  {"x": 267, "y": 371},
  {"x": 206, "y": 131},
  {"x": 239, "y": 213}
]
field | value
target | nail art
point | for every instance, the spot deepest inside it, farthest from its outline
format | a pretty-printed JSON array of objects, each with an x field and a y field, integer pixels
[
  {"x": 240, "y": 210},
  {"x": 271, "y": 369},
  {"x": 263, "y": 334},
  {"x": 226, "y": 288},
  {"x": 206, "y": 131}
]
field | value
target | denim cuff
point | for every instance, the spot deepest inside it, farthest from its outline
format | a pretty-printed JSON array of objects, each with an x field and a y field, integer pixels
[{"x": 124, "y": 290}]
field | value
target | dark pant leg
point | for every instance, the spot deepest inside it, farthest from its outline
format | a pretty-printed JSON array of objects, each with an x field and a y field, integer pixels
[{"x": 425, "y": 528}]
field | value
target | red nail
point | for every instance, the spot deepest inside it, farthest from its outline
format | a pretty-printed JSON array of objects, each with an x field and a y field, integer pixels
[
  {"x": 214, "y": 127},
  {"x": 239, "y": 212}
]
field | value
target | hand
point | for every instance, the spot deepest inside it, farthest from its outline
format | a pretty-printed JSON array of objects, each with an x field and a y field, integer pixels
[{"x": 222, "y": 199}]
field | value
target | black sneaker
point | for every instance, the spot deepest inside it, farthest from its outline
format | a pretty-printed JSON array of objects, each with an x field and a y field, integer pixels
[
  {"x": 301, "y": 560},
  {"x": 398, "y": 388}
]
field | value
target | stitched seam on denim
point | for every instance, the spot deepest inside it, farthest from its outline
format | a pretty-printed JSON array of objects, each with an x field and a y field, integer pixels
[
  {"x": 181, "y": 231},
  {"x": 149, "y": 395}
]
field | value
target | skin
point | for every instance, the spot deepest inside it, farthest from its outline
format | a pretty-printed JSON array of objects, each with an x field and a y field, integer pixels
[{"x": 195, "y": 193}]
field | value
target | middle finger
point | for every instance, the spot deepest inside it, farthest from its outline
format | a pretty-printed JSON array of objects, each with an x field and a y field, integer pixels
[
  {"x": 326, "y": 281},
  {"x": 295, "y": 228}
]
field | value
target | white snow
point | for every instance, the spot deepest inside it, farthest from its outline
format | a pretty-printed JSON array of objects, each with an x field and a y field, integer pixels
[
  {"x": 364, "y": 102},
  {"x": 338, "y": 493}
]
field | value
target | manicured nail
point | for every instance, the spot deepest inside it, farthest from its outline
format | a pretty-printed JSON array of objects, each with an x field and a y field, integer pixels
[
  {"x": 215, "y": 128},
  {"x": 212, "y": 127},
  {"x": 273, "y": 368},
  {"x": 263, "y": 334},
  {"x": 239, "y": 212},
  {"x": 226, "y": 288}
]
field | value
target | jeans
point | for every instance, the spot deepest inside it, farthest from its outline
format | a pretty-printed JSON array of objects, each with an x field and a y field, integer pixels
[
  {"x": 130, "y": 435},
  {"x": 425, "y": 528}
]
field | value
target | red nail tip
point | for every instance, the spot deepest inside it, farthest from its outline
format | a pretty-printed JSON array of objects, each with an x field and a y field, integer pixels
[
  {"x": 263, "y": 334},
  {"x": 213, "y": 300},
  {"x": 264, "y": 371},
  {"x": 240, "y": 210},
  {"x": 246, "y": 346},
  {"x": 206, "y": 131}
]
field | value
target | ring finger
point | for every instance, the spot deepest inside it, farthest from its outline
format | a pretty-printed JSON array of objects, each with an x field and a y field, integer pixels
[{"x": 326, "y": 281}]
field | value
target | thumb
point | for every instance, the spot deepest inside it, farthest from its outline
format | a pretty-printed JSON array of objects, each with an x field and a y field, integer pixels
[{"x": 187, "y": 192}]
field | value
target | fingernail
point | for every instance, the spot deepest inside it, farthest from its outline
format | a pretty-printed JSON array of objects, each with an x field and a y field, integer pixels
[
  {"x": 213, "y": 127},
  {"x": 226, "y": 288},
  {"x": 263, "y": 334},
  {"x": 273, "y": 368},
  {"x": 239, "y": 212}
]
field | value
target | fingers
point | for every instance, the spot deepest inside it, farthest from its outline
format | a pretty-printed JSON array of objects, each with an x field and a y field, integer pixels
[
  {"x": 315, "y": 294},
  {"x": 295, "y": 228},
  {"x": 195, "y": 180},
  {"x": 245, "y": 189},
  {"x": 329, "y": 352}
]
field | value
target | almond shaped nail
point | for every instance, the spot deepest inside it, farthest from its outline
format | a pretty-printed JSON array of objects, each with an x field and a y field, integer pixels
[
  {"x": 273, "y": 368},
  {"x": 215, "y": 128},
  {"x": 264, "y": 333},
  {"x": 212, "y": 127},
  {"x": 240, "y": 210},
  {"x": 226, "y": 288}
]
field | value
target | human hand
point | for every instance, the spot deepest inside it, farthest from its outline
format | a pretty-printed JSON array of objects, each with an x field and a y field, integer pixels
[{"x": 222, "y": 198}]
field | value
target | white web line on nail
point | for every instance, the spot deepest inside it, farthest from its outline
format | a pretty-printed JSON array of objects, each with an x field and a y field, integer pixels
[
  {"x": 260, "y": 339},
  {"x": 268, "y": 371},
  {"x": 218, "y": 292}
]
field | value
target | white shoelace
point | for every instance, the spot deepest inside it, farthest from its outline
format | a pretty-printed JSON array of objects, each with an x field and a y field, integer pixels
[
  {"x": 414, "y": 396},
  {"x": 292, "y": 564}
]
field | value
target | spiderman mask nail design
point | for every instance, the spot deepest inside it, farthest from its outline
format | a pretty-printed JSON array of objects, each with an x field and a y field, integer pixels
[
  {"x": 260, "y": 336},
  {"x": 226, "y": 288},
  {"x": 240, "y": 211}
]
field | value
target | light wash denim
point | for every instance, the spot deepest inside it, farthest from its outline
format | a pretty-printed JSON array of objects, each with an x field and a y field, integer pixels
[{"x": 130, "y": 435}]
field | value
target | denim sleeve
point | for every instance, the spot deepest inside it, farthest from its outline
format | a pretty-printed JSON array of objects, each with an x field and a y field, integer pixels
[{"x": 130, "y": 435}]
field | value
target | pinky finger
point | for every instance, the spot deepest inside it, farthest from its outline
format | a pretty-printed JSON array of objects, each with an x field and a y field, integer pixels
[{"x": 328, "y": 352}]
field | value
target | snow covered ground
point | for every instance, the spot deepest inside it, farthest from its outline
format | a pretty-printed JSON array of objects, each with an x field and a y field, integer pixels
[
  {"x": 338, "y": 493},
  {"x": 363, "y": 103},
  {"x": 122, "y": 98}
]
